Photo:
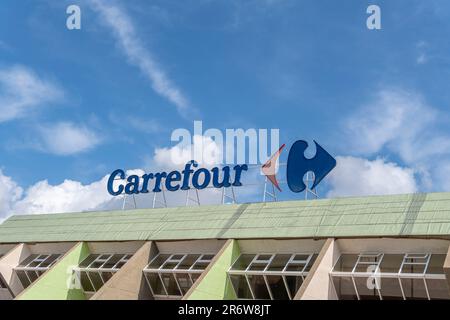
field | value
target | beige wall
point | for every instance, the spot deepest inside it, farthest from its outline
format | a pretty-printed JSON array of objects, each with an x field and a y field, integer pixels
[
  {"x": 126, "y": 247},
  {"x": 393, "y": 245},
  {"x": 281, "y": 246},
  {"x": 193, "y": 246},
  {"x": 50, "y": 248}
]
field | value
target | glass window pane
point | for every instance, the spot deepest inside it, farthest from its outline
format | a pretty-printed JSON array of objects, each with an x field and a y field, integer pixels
[
  {"x": 294, "y": 283},
  {"x": 264, "y": 257},
  {"x": 259, "y": 287},
  {"x": 295, "y": 267},
  {"x": 169, "y": 265},
  {"x": 120, "y": 264},
  {"x": 390, "y": 289},
  {"x": 194, "y": 276},
  {"x": 301, "y": 257},
  {"x": 413, "y": 268},
  {"x": 241, "y": 287},
  {"x": 155, "y": 283},
  {"x": 38, "y": 260},
  {"x": 32, "y": 275},
  {"x": 366, "y": 288},
  {"x": 188, "y": 261},
  {"x": 85, "y": 283},
  {"x": 346, "y": 262},
  {"x": 208, "y": 257},
  {"x": 97, "y": 264},
  {"x": 311, "y": 262},
  {"x": 49, "y": 261},
  {"x": 438, "y": 289},
  {"x": 184, "y": 281},
  {"x": 391, "y": 263},
  {"x": 200, "y": 266},
  {"x": 96, "y": 280},
  {"x": 279, "y": 262},
  {"x": 436, "y": 264},
  {"x": 23, "y": 279},
  {"x": 177, "y": 257},
  {"x": 86, "y": 262},
  {"x": 170, "y": 284},
  {"x": 30, "y": 258},
  {"x": 112, "y": 261},
  {"x": 344, "y": 288},
  {"x": 242, "y": 262},
  {"x": 277, "y": 287},
  {"x": 367, "y": 263},
  {"x": 158, "y": 261},
  {"x": 257, "y": 266},
  {"x": 2, "y": 282},
  {"x": 414, "y": 288},
  {"x": 106, "y": 276}
]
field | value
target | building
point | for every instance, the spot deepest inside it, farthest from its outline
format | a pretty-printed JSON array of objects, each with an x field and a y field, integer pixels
[{"x": 379, "y": 247}]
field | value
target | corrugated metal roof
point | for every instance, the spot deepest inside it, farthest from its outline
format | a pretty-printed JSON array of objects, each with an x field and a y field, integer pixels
[{"x": 425, "y": 215}]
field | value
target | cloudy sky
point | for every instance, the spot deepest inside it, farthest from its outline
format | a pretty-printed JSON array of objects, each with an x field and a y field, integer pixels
[{"x": 75, "y": 105}]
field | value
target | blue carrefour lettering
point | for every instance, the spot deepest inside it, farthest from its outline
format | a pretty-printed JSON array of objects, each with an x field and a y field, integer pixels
[
  {"x": 112, "y": 177},
  {"x": 199, "y": 179}
]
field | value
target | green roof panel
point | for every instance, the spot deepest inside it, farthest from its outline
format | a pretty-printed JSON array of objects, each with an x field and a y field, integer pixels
[{"x": 426, "y": 215}]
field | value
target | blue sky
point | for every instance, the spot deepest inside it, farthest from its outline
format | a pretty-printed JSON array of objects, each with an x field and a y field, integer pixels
[{"x": 75, "y": 105}]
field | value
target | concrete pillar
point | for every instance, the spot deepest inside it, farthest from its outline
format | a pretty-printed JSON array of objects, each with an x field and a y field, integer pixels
[
  {"x": 317, "y": 285},
  {"x": 129, "y": 283},
  {"x": 7, "y": 264},
  {"x": 214, "y": 284},
  {"x": 447, "y": 267},
  {"x": 55, "y": 283}
]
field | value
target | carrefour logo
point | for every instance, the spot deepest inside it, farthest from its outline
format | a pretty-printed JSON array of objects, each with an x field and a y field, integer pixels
[
  {"x": 298, "y": 165},
  {"x": 200, "y": 178}
]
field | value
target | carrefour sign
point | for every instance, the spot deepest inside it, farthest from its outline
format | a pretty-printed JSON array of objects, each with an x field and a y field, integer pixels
[{"x": 200, "y": 178}]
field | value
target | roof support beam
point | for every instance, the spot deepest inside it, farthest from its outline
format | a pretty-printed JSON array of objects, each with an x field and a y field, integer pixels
[
  {"x": 214, "y": 283},
  {"x": 317, "y": 285},
  {"x": 129, "y": 283}
]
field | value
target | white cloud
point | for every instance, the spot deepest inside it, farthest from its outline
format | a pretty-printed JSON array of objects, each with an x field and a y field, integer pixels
[
  {"x": 22, "y": 92},
  {"x": 10, "y": 192},
  {"x": 120, "y": 23},
  {"x": 359, "y": 177},
  {"x": 178, "y": 155},
  {"x": 69, "y": 196},
  {"x": 66, "y": 138},
  {"x": 402, "y": 122}
]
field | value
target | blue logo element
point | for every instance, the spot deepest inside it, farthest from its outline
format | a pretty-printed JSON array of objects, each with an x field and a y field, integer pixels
[{"x": 298, "y": 165}]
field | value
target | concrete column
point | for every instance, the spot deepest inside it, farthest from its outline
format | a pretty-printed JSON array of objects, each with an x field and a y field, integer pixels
[
  {"x": 317, "y": 285},
  {"x": 213, "y": 284},
  {"x": 129, "y": 283},
  {"x": 55, "y": 283},
  {"x": 7, "y": 264},
  {"x": 447, "y": 267}
]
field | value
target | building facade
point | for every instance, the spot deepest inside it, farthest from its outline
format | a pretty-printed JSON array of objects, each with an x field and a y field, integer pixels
[{"x": 379, "y": 247}]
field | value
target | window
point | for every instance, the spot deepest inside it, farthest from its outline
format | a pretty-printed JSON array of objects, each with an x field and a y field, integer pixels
[
  {"x": 30, "y": 269},
  {"x": 172, "y": 275},
  {"x": 390, "y": 276},
  {"x": 269, "y": 276},
  {"x": 3, "y": 284},
  {"x": 94, "y": 271}
]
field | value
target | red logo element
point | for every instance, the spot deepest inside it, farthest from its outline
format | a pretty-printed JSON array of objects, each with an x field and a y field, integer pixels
[{"x": 269, "y": 168}]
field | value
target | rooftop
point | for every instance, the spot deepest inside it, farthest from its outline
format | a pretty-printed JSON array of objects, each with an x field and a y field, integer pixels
[{"x": 418, "y": 215}]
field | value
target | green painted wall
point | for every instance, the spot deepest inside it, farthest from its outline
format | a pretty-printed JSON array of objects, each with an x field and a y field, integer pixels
[
  {"x": 216, "y": 285},
  {"x": 53, "y": 285}
]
